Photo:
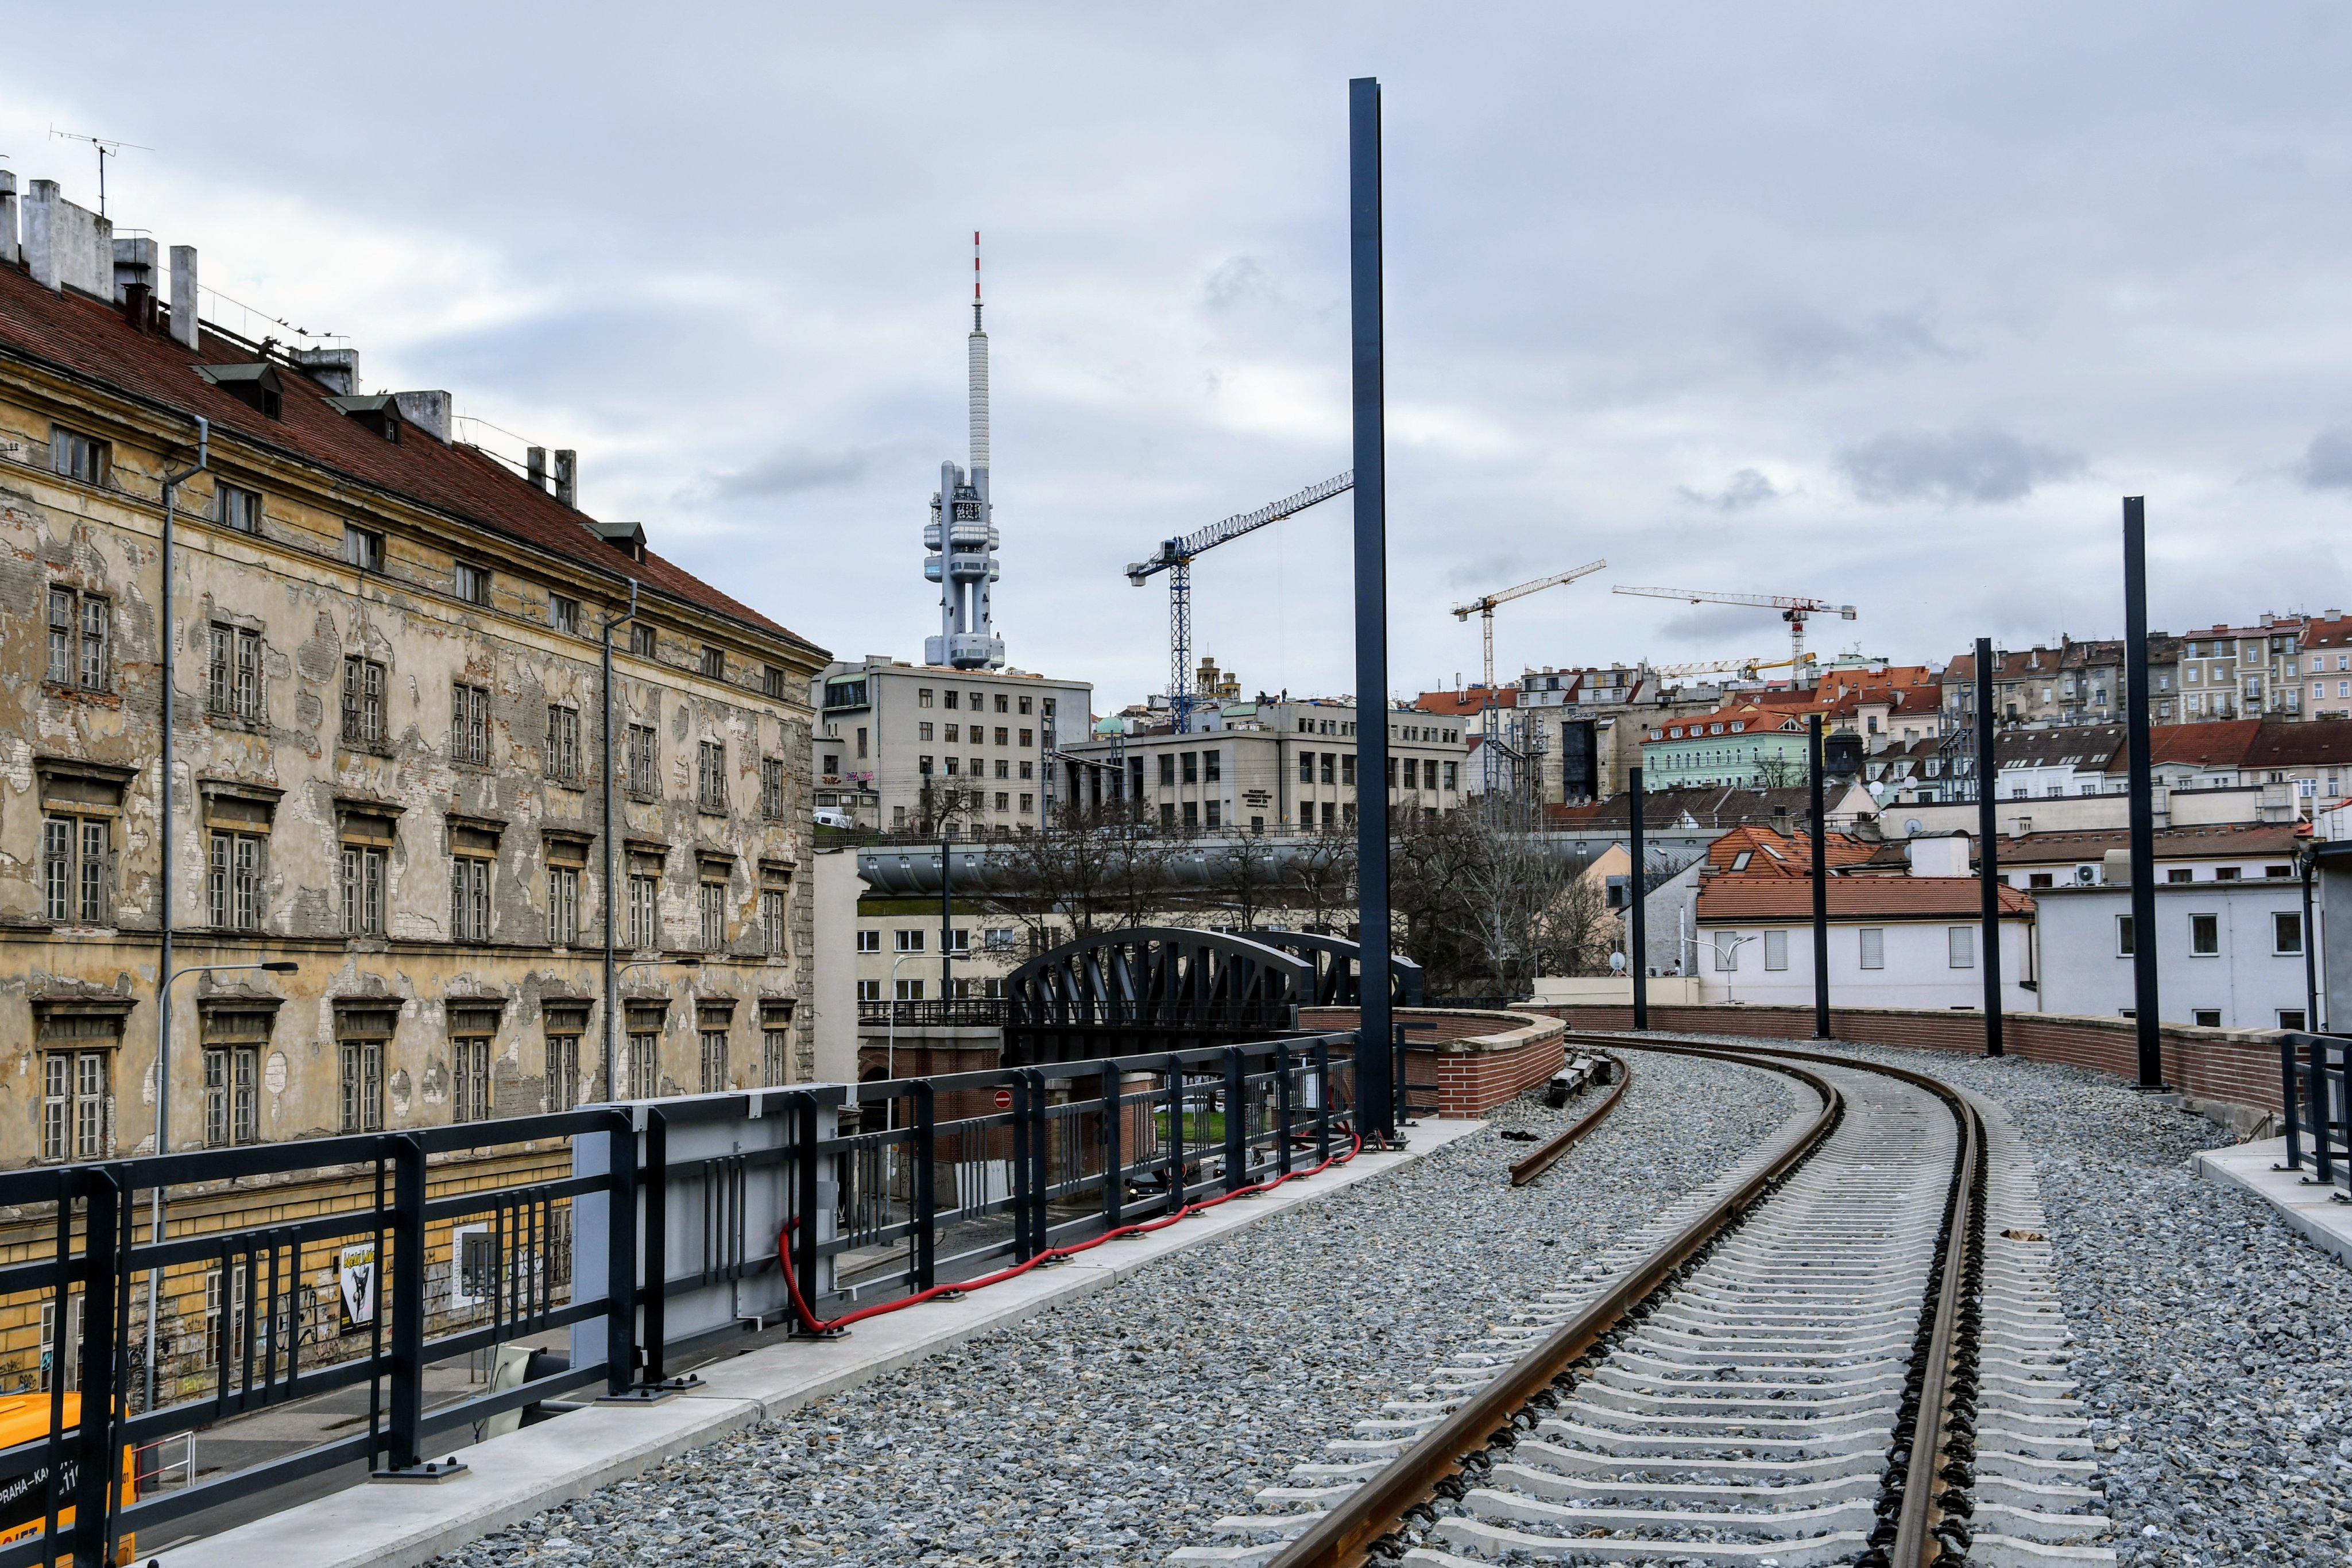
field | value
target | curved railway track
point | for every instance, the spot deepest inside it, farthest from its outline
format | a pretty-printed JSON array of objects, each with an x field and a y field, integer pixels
[{"x": 1844, "y": 1350}]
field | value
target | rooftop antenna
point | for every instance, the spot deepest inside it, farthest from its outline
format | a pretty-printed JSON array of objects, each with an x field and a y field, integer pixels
[{"x": 106, "y": 147}]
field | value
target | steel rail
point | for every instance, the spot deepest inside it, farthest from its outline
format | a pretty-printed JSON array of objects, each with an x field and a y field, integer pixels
[
  {"x": 1914, "y": 1542},
  {"x": 1540, "y": 1161},
  {"x": 1341, "y": 1537}
]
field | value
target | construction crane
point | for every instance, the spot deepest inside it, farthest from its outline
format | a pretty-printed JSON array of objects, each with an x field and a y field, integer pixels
[
  {"x": 1795, "y": 608},
  {"x": 1490, "y": 721},
  {"x": 1175, "y": 557},
  {"x": 1746, "y": 669}
]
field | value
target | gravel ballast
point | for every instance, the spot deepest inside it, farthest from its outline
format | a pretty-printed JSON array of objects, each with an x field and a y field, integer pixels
[
  {"x": 1116, "y": 1427},
  {"x": 2208, "y": 1342}
]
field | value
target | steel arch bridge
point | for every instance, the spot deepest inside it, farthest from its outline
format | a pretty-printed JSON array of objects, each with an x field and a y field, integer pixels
[
  {"x": 1336, "y": 962},
  {"x": 1149, "y": 988}
]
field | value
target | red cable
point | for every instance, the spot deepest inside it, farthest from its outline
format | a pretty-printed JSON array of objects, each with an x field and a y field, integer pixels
[{"x": 812, "y": 1324}]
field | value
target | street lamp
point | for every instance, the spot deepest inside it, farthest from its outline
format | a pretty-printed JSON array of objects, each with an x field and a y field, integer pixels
[
  {"x": 890, "y": 1037},
  {"x": 683, "y": 961},
  {"x": 164, "y": 1135}
]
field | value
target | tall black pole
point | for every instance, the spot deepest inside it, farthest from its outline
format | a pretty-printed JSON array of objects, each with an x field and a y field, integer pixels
[
  {"x": 947, "y": 925},
  {"x": 2143, "y": 795},
  {"x": 1987, "y": 855},
  {"x": 1820, "y": 887},
  {"x": 1637, "y": 944},
  {"x": 1374, "y": 1092}
]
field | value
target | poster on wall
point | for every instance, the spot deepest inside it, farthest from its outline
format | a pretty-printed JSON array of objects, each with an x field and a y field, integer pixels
[{"x": 356, "y": 1273}]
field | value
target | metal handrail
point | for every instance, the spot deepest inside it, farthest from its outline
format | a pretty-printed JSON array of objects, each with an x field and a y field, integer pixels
[{"x": 2314, "y": 1091}]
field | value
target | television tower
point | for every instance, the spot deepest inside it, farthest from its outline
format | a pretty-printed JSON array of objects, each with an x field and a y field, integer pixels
[{"x": 962, "y": 535}]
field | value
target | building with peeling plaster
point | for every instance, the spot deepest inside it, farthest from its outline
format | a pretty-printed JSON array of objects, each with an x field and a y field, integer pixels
[{"x": 387, "y": 749}]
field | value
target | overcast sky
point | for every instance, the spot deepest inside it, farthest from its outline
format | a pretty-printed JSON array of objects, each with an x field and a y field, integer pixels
[{"x": 1888, "y": 305}]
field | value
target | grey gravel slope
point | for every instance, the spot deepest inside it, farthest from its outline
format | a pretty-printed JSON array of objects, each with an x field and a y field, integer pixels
[{"x": 1113, "y": 1429}]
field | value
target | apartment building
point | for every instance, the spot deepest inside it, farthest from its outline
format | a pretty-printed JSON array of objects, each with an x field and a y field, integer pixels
[
  {"x": 1741, "y": 748},
  {"x": 2327, "y": 666},
  {"x": 2074, "y": 683},
  {"x": 1269, "y": 766},
  {"x": 2241, "y": 671},
  {"x": 924, "y": 748},
  {"x": 386, "y": 743}
]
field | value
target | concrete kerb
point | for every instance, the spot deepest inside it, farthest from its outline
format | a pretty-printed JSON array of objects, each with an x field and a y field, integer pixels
[
  {"x": 511, "y": 1478},
  {"x": 2307, "y": 1206}
]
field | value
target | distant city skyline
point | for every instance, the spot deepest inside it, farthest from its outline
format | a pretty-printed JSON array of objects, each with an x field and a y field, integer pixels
[{"x": 1886, "y": 308}]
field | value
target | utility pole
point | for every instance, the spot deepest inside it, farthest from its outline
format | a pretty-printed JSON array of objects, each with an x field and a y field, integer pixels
[
  {"x": 2142, "y": 796},
  {"x": 1987, "y": 855},
  {"x": 1375, "y": 1097},
  {"x": 1637, "y": 941},
  {"x": 1821, "y": 888},
  {"x": 605, "y": 1088}
]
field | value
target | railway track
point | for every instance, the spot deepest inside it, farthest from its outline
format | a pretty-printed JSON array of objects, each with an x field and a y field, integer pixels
[{"x": 1844, "y": 1350}]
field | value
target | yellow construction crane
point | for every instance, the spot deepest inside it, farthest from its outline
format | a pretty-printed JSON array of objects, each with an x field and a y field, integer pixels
[
  {"x": 1490, "y": 719},
  {"x": 1796, "y": 609}
]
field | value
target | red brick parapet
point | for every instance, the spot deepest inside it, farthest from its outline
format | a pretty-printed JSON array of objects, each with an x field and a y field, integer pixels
[
  {"x": 2235, "y": 1069},
  {"x": 1475, "y": 1060}
]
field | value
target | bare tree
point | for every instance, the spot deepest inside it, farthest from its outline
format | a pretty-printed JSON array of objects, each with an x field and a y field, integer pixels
[
  {"x": 1246, "y": 878},
  {"x": 1776, "y": 773},
  {"x": 1316, "y": 879},
  {"x": 1085, "y": 873}
]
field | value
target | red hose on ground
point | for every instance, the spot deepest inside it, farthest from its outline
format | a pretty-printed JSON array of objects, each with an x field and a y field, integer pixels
[{"x": 812, "y": 1324}]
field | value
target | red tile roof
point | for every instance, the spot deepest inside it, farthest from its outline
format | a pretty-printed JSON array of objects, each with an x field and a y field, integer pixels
[
  {"x": 2172, "y": 843},
  {"x": 2220, "y": 743},
  {"x": 2313, "y": 743},
  {"x": 1773, "y": 853},
  {"x": 1725, "y": 898},
  {"x": 1456, "y": 705},
  {"x": 88, "y": 339}
]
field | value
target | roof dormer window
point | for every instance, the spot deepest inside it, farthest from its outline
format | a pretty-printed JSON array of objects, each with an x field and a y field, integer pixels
[
  {"x": 255, "y": 385},
  {"x": 380, "y": 413}
]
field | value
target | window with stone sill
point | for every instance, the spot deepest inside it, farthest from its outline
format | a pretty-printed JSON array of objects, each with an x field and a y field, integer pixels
[{"x": 79, "y": 639}]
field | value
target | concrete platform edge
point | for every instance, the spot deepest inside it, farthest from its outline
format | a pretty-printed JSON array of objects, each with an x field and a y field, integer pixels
[
  {"x": 2325, "y": 1222},
  {"x": 517, "y": 1475}
]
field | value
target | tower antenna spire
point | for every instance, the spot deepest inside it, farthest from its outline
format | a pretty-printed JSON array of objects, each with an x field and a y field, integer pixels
[
  {"x": 975, "y": 280},
  {"x": 962, "y": 536}
]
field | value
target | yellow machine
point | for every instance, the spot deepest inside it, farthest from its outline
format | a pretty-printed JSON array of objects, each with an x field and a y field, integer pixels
[{"x": 24, "y": 1418}]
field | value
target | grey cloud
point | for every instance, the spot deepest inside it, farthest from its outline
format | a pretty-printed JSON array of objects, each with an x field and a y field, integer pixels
[
  {"x": 1240, "y": 280},
  {"x": 1794, "y": 341},
  {"x": 1981, "y": 466},
  {"x": 791, "y": 471},
  {"x": 2328, "y": 463},
  {"x": 1748, "y": 487}
]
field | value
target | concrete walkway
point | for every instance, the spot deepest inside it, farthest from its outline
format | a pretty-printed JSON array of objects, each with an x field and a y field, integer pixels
[
  {"x": 2306, "y": 1204},
  {"x": 513, "y": 1477}
]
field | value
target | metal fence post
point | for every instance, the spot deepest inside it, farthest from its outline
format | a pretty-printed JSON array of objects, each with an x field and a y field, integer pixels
[
  {"x": 621, "y": 1258},
  {"x": 1282, "y": 1115},
  {"x": 1236, "y": 1121},
  {"x": 1114, "y": 1163},
  {"x": 1023, "y": 1171},
  {"x": 1323, "y": 1102},
  {"x": 407, "y": 1306},
  {"x": 1175, "y": 1136},
  {"x": 2288, "y": 1101},
  {"x": 1042, "y": 1148},
  {"x": 808, "y": 1209},
  {"x": 653, "y": 1320},
  {"x": 2314, "y": 1109},
  {"x": 926, "y": 1196},
  {"x": 95, "y": 1483}
]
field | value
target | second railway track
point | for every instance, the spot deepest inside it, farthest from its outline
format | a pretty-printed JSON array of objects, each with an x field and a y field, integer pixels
[{"x": 1845, "y": 1352}]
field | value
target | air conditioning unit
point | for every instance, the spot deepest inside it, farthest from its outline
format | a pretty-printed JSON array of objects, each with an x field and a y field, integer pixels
[{"x": 2085, "y": 876}]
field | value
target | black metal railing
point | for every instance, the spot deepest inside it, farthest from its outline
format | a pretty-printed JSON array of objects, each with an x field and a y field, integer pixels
[
  {"x": 967, "y": 1012},
  {"x": 472, "y": 1237},
  {"x": 2315, "y": 1088}
]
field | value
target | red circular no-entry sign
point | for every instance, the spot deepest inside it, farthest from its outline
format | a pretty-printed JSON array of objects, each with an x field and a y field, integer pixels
[{"x": 1004, "y": 1099}]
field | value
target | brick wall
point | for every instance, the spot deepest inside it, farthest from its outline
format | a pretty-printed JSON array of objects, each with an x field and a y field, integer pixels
[
  {"x": 1472, "y": 1061},
  {"x": 2225, "y": 1067}
]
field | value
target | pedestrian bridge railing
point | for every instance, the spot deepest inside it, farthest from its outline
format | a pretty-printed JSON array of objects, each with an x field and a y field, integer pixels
[{"x": 2315, "y": 1087}]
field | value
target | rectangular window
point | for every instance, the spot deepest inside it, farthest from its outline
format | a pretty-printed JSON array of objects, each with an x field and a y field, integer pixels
[
  {"x": 469, "y": 899},
  {"x": 61, "y": 635},
  {"x": 563, "y": 612},
  {"x": 562, "y": 1071},
  {"x": 710, "y": 776},
  {"x": 2286, "y": 931},
  {"x": 563, "y": 742},
  {"x": 869, "y": 941},
  {"x": 74, "y": 1108},
  {"x": 1347, "y": 768},
  {"x": 645, "y": 1065},
  {"x": 1214, "y": 813},
  {"x": 869, "y": 990},
  {"x": 233, "y": 881},
  {"x": 1960, "y": 946},
  {"x": 908, "y": 990},
  {"x": 2293, "y": 1019},
  {"x": 1168, "y": 769},
  {"x": 773, "y": 1057},
  {"x": 644, "y": 925},
  {"x": 469, "y": 725},
  {"x": 362, "y": 548},
  {"x": 1192, "y": 760},
  {"x": 923, "y": 697},
  {"x": 1453, "y": 776},
  {"x": 240, "y": 509},
  {"x": 234, "y": 685},
  {"x": 772, "y": 922},
  {"x": 1028, "y": 802},
  {"x": 907, "y": 941},
  {"x": 2180, "y": 873},
  {"x": 363, "y": 1085},
  {"x": 1212, "y": 766},
  {"x": 771, "y": 683},
  {"x": 1003, "y": 800},
  {"x": 1330, "y": 765},
  {"x": 229, "y": 1105},
  {"x": 2124, "y": 944},
  {"x": 1776, "y": 949},
  {"x": 714, "y": 1060},
  {"x": 2225, "y": 873},
  {"x": 562, "y": 905},
  {"x": 642, "y": 641},
  {"x": 1873, "y": 948},
  {"x": 362, "y": 890},
  {"x": 714, "y": 662},
  {"x": 78, "y": 457},
  {"x": 2206, "y": 1017},
  {"x": 1726, "y": 952},
  {"x": 924, "y": 730},
  {"x": 76, "y": 869},
  {"x": 713, "y": 910},
  {"x": 2204, "y": 936},
  {"x": 473, "y": 583},
  {"x": 362, "y": 702},
  {"x": 772, "y": 788},
  {"x": 645, "y": 759},
  {"x": 469, "y": 1080}
]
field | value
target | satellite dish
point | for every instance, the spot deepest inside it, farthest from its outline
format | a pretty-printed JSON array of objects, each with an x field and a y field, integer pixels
[
  {"x": 1911, "y": 827},
  {"x": 1616, "y": 963}
]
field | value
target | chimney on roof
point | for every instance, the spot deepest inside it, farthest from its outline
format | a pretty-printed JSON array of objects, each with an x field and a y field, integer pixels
[
  {"x": 41, "y": 233},
  {"x": 183, "y": 295},
  {"x": 9, "y": 255},
  {"x": 536, "y": 465},
  {"x": 139, "y": 309},
  {"x": 567, "y": 476},
  {"x": 134, "y": 262},
  {"x": 427, "y": 411},
  {"x": 337, "y": 369}
]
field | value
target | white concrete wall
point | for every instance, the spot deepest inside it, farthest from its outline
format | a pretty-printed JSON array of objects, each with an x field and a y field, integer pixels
[
  {"x": 834, "y": 958},
  {"x": 2247, "y": 982},
  {"x": 1918, "y": 971}
]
